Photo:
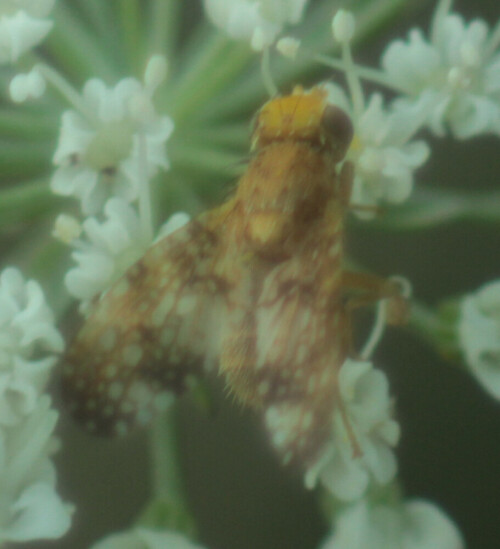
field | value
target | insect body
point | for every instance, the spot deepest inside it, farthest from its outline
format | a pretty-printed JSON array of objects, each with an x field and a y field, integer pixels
[{"x": 252, "y": 290}]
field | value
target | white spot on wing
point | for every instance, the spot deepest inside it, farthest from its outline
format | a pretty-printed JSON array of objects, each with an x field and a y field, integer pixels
[
  {"x": 115, "y": 390},
  {"x": 121, "y": 288},
  {"x": 132, "y": 354},
  {"x": 108, "y": 339}
]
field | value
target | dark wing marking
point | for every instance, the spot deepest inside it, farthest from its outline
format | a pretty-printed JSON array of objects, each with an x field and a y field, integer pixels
[{"x": 152, "y": 330}]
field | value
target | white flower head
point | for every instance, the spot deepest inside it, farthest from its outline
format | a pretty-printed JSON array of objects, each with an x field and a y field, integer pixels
[
  {"x": 29, "y": 342},
  {"x": 99, "y": 154},
  {"x": 479, "y": 335},
  {"x": 453, "y": 76},
  {"x": 29, "y": 345},
  {"x": 23, "y": 25},
  {"x": 360, "y": 449},
  {"x": 416, "y": 524},
  {"x": 384, "y": 157},
  {"x": 256, "y": 21},
  {"x": 142, "y": 538},
  {"x": 29, "y": 505},
  {"x": 108, "y": 249}
]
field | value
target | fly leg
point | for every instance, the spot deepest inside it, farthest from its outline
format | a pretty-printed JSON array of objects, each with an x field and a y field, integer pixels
[{"x": 364, "y": 290}]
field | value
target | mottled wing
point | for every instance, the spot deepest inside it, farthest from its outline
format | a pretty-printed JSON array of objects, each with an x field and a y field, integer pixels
[
  {"x": 152, "y": 330},
  {"x": 283, "y": 355}
]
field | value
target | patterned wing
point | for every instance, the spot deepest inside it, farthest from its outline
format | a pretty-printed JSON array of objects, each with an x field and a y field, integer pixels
[
  {"x": 283, "y": 355},
  {"x": 152, "y": 330}
]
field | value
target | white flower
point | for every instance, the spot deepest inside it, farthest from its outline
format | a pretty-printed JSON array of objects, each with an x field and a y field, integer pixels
[
  {"x": 142, "y": 538},
  {"x": 67, "y": 228},
  {"x": 23, "y": 25},
  {"x": 29, "y": 505},
  {"x": 174, "y": 222},
  {"x": 99, "y": 155},
  {"x": 26, "y": 321},
  {"x": 256, "y": 21},
  {"x": 110, "y": 248},
  {"x": 27, "y": 86},
  {"x": 479, "y": 335},
  {"x": 361, "y": 445},
  {"x": 288, "y": 47},
  {"x": 454, "y": 76},
  {"x": 29, "y": 342},
  {"x": 416, "y": 524},
  {"x": 26, "y": 328},
  {"x": 383, "y": 155}
]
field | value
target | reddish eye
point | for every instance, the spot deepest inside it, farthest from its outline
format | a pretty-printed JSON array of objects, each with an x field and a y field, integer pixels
[{"x": 339, "y": 130}]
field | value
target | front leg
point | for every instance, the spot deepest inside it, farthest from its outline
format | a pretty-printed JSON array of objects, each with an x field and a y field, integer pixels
[{"x": 366, "y": 289}]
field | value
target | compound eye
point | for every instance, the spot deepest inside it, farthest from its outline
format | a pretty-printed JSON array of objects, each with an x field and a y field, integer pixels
[{"x": 338, "y": 129}]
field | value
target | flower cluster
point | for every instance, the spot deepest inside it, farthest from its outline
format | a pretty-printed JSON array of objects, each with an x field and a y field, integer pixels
[
  {"x": 447, "y": 81},
  {"x": 479, "y": 335},
  {"x": 107, "y": 248},
  {"x": 107, "y": 154},
  {"x": 29, "y": 344},
  {"x": 256, "y": 21},
  {"x": 99, "y": 152},
  {"x": 416, "y": 524},
  {"x": 23, "y": 25},
  {"x": 367, "y": 420},
  {"x": 384, "y": 156},
  {"x": 452, "y": 77}
]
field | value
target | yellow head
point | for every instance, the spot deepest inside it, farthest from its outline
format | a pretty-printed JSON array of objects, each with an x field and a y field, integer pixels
[{"x": 303, "y": 116}]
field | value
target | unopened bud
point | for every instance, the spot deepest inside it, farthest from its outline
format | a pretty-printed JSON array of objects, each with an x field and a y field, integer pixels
[
  {"x": 343, "y": 26},
  {"x": 67, "y": 228},
  {"x": 288, "y": 47}
]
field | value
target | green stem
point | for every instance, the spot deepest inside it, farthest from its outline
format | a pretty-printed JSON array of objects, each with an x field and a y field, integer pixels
[
  {"x": 425, "y": 322},
  {"x": 32, "y": 195},
  {"x": 431, "y": 207},
  {"x": 435, "y": 329},
  {"x": 102, "y": 19},
  {"x": 66, "y": 90},
  {"x": 267, "y": 75},
  {"x": 164, "y": 27},
  {"x": 49, "y": 263},
  {"x": 315, "y": 33},
  {"x": 30, "y": 125},
  {"x": 233, "y": 136},
  {"x": 75, "y": 48},
  {"x": 169, "y": 509},
  {"x": 166, "y": 471},
  {"x": 145, "y": 209},
  {"x": 216, "y": 63},
  {"x": 367, "y": 73},
  {"x": 130, "y": 14},
  {"x": 202, "y": 159},
  {"x": 24, "y": 159}
]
